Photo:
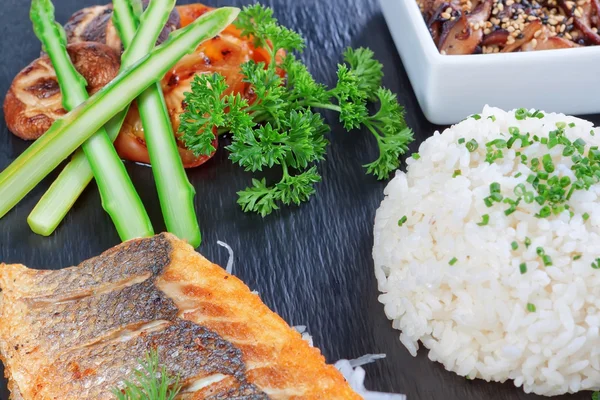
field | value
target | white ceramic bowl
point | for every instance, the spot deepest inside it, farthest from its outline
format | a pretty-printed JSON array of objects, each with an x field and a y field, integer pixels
[{"x": 449, "y": 88}]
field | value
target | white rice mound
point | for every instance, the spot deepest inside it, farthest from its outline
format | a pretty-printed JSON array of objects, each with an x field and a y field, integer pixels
[{"x": 473, "y": 316}]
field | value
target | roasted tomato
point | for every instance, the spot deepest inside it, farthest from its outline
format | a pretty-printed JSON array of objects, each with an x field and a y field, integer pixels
[{"x": 223, "y": 54}]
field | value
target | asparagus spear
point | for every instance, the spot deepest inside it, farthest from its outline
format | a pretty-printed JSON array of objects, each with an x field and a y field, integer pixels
[
  {"x": 76, "y": 176},
  {"x": 175, "y": 192},
  {"x": 68, "y": 186},
  {"x": 70, "y": 132},
  {"x": 119, "y": 198}
]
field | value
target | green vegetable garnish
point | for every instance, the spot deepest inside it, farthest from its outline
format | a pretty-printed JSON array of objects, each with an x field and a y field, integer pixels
[
  {"x": 453, "y": 261},
  {"x": 281, "y": 127},
  {"x": 485, "y": 219},
  {"x": 523, "y": 268},
  {"x": 531, "y": 307},
  {"x": 150, "y": 382},
  {"x": 175, "y": 192},
  {"x": 70, "y": 132},
  {"x": 402, "y": 220},
  {"x": 119, "y": 197},
  {"x": 472, "y": 145},
  {"x": 514, "y": 245}
]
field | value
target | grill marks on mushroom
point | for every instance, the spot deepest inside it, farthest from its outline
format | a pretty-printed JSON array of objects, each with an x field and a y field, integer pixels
[
  {"x": 94, "y": 24},
  {"x": 34, "y": 100}
]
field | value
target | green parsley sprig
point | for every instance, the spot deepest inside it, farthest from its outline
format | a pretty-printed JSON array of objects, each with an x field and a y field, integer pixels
[
  {"x": 151, "y": 382},
  {"x": 281, "y": 127}
]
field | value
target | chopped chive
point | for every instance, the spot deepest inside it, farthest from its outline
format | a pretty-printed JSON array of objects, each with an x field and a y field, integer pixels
[
  {"x": 545, "y": 212},
  {"x": 521, "y": 114},
  {"x": 518, "y": 174},
  {"x": 495, "y": 187},
  {"x": 596, "y": 265},
  {"x": 520, "y": 190},
  {"x": 547, "y": 260},
  {"x": 453, "y": 261},
  {"x": 528, "y": 197},
  {"x": 580, "y": 145},
  {"x": 527, "y": 242},
  {"x": 542, "y": 175},
  {"x": 586, "y": 216},
  {"x": 472, "y": 145},
  {"x": 593, "y": 132},
  {"x": 548, "y": 164},
  {"x": 485, "y": 219},
  {"x": 513, "y": 130},
  {"x": 476, "y": 117},
  {"x": 572, "y": 125},
  {"x": 537, "y": 114},
  {"x": 456, "y": 173},
  {"x": 510, "y": 210},
  {"x": 577, "y": 257},
  {"x": 561, "y": 125},
  {"x": 514, "y": 245},
  {"x": 523, "y": 268},
  {"x": 461, "y": 140},
  {"x": 488, "y": 202},
  {"x": 496, "y": 197},
  {"x": 540, "y": 251},
  {"x": 492, "y": 117},
  {"x": 564, "y": 181},
  {"x": 402, "y": 221},
  {"x": 416, "y": 156},
  {"x": 531, "y": 307}
]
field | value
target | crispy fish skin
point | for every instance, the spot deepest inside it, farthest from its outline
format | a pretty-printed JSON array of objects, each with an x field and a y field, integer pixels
[{"x": 79, "y": 332}]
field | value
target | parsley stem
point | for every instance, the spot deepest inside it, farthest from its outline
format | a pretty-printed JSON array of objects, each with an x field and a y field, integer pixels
[{"x": 332, "y": 107}]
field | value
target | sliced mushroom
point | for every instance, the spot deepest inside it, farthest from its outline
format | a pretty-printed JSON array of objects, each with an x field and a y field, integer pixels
[
  {"x": 526, "y": 36},
  {"x": 583, "y": 21},
  {"x": 546, "y": 42},
  {"x": 34, "y": 101},
  {"x": 94, "y": 24},
  {"x": 496, "y": 38},
  {"x": 434, "y": 23},
  {"x": 459, "y": 36}
]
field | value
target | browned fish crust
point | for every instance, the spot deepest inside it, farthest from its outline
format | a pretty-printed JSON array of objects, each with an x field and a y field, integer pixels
[{"x": 78, "y": 333}]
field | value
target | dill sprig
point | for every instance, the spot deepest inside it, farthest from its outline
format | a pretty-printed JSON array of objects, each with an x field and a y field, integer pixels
[
  {"x": 150, "y": 382},
  {"x": 281, "y": 127}
]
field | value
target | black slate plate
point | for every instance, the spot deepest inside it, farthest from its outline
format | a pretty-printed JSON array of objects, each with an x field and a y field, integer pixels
[{"x": 311, "y": 264}]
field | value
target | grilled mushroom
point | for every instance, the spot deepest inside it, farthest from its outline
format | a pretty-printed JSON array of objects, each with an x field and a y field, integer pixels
[
  {"x": 583, "y": 20},
  {"x": 460, "y": 36},
  {"x": 94, "y": 24},
  {"x": 34, "y": 101}
]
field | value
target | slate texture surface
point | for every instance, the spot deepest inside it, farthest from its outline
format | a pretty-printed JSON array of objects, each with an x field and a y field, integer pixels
[{"x": 311, "y": 264}]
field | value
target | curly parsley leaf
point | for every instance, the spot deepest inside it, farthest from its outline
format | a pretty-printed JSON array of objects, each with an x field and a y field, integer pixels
[
  {"x": 280, "y": 127},
  {"x": 369, "y": 72}
]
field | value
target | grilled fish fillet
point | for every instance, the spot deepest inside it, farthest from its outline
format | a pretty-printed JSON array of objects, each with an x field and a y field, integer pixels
[{"x": 78, "y": 333}]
